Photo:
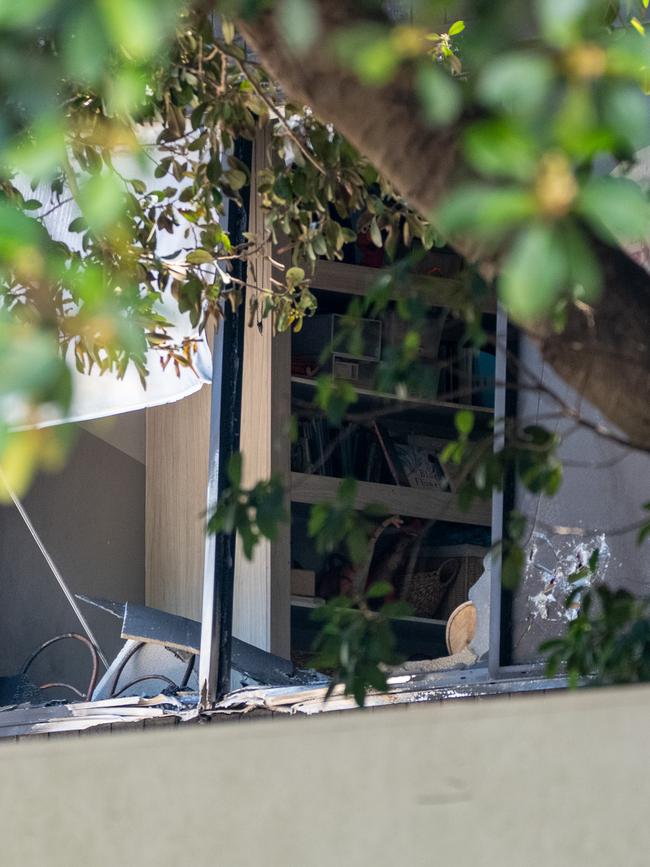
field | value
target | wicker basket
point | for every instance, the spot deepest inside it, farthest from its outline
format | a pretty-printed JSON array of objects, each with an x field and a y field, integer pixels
[
  {"x": 425, "y": 591},
  {"x": 470, "y": 568}
]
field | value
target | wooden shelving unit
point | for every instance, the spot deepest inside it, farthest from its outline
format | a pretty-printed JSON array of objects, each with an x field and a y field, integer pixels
[
  {"x": 265, "y": 613},
  {"x": 415, "y": 635}
]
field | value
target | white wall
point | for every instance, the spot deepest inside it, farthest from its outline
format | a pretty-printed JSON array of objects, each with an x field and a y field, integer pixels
[{"x": 602, "y": 492}]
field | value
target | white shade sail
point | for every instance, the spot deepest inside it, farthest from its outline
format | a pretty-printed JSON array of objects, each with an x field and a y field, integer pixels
[{"x": 96, "y": 395}]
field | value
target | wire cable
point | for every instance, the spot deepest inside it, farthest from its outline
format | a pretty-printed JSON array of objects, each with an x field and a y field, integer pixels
[
  {"x": 64, "y": 587},
  {"x": 145, "y": 677}
]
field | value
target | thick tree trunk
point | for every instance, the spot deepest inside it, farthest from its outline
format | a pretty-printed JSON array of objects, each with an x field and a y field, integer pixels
[{"x": 604, "y": 352}]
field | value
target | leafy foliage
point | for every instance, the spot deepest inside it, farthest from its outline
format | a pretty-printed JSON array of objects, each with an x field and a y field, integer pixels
[
  {"x": 129, "y": 111},
  {"x": 331, "y": 524},
  {"x": 554, "y": 108},
  {"x": 254, "y": 512},
  {"x": 609, "y": 640},
  {"x": 356, "y": 641},
  {"x": 530, "y": 452}
]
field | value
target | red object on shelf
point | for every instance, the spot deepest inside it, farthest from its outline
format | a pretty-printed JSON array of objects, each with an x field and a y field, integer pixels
[{"x": 370, "y": 255}]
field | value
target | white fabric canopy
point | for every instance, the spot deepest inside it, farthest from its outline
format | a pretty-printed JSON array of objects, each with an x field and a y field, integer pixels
[{"x": 96, "y": 395}]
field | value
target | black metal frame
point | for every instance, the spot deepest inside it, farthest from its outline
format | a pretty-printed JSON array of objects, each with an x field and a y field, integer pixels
[{"x": 225, "y": 415}]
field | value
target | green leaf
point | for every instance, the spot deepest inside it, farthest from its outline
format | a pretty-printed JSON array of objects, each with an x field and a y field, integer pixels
[
  {"x": 627, "y": 111},
  {"x": 553, "y": 479},
  {"x": 235, "y": 469},
  {"x": 512, "y": 566},
  {"x": 347, "y": 491},
  {"x": 637, "y": 25},
  {"x": 534, "y": 273},
  {"x": 239, "y": 165},
  {"x": 85, "y": 45},
  {"x": 617, "y": 208},
  {"x": 561, "y": 20},
  {"x": 499, "y": 148},
  {"x": 644, "y": 533},
  {"x": 318, "y": 515},
  {"x": 519, "y": 81},
  {"x": 578, "y": 128},
  {"x": 42, "y": 155},
  {"x": 516, "y": 525},
  {"x": 584, "y": 270},
  {"x": 456, "y": 28},
  {"x": 18, "y": 14},
  {"x": 299, "y": 21},
  {"x": 627, "y": 56},
  {"x": 394, "y": 609},
  {"x": 139, "y": 186},
  {"x": 359, "y": 691},
  {"x": 369, "y": 51},
  {"x": 102, "y": 200},
  {"x": 228, "y": 30},
  {"x": 294, "y": 276},
  {"x": 375, "y": 234},
  {"x": 553, "y": 663},
  {"x": 490, "y": 212},
  {"x": 579, "y": 574},
  {"x": 464, "y": 421},
  {"x": 439, "y": 95},
  {"x": 138, "y": 26},
  {"x": 334, "y": 397},
  {"x": 379, "y": 590},
  {"x": 453, "y": 453},
  {"x": 236, "y": 178},
  {"x": 199, "y": 257}
]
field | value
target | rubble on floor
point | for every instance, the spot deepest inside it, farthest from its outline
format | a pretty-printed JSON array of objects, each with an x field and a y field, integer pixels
[{"x": 57, "y": 718}]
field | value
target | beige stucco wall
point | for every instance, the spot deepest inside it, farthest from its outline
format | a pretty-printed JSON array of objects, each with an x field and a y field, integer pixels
[
  {"x": 553, "y": 780},
  {"x": 90, "y": 516}
]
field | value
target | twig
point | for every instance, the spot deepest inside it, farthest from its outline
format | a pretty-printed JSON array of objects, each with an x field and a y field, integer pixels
[
  {"x": 54, "y": 208},
  {"x": 243, "y": 67}
]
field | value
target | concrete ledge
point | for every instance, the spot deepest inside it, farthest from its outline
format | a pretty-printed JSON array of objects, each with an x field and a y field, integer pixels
[{"x": 549, "y": 780}]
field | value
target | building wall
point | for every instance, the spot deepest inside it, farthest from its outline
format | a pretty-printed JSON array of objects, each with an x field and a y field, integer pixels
[
  {"x": 91, "y": 519},
  {"x": 604, "y": 486},
  {"x": 551, "y": 781}
]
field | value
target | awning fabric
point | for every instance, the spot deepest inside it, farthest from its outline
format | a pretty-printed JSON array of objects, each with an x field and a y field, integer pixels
[{"x": 98, "y": 395}]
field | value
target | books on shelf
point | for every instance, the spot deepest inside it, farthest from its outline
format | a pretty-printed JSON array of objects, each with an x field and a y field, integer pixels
[
  {"x": 349, "y": 451},
  {"x": 371, "y": 454},
  {"x": 391, "y": 454}
]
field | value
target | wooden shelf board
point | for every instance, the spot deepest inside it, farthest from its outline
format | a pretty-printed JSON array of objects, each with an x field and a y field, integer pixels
[
  {"x": 410, "y": 400},
  {"x": 425, "y": 503},
  {"x": 358, "y": 279},
  {"x": 317, "y": 602},
  {"x": 307, "y": 601}
]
